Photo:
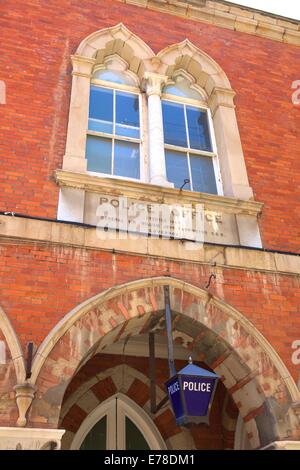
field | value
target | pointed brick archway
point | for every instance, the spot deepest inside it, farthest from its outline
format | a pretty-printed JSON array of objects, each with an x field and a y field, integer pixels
[{"x": 219, "y": 335}]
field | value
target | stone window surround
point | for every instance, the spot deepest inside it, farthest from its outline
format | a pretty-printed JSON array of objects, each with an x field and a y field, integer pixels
[{"x": 119, "y": 44}]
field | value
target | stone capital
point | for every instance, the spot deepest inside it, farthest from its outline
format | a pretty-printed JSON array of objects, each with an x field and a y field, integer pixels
[
  {"x": 154, "y": 83},
  {"x": 221, "y": 97},
  {"x": 82, "y": 66}
]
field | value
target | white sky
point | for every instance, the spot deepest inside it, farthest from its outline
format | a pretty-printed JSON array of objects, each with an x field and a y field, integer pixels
[{"x": 288, "y": 8}]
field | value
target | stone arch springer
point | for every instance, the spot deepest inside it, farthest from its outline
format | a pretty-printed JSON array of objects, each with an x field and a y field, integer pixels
[
  {"x": 251, "y": 370},
  {"x": 13, "y": 374},
  {"x": 13, "y": 345}
]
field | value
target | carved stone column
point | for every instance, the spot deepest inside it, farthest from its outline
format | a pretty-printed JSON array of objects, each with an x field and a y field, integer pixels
[
  {"x": 232, "y": 162},
  {"x": 74, "y": 159},
  {"x": 71, "y": 200},
  {"x": 153, "y": 84}
]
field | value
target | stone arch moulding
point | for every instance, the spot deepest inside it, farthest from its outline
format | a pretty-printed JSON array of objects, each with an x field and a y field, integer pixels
[
  {"x": 252, "y": 371},
  {"x": 13, "y": 345}
]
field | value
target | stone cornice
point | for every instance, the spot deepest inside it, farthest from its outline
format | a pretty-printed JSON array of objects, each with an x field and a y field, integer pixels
[
  {"x": 154, "y": 193},
  {"x": 228, "y": 16},
  {"x": 23, "y": 230}
]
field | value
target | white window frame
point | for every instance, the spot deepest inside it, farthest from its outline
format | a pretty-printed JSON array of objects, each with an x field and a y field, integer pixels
[
  {"x": 188, "y": 150},
  {"x": 113, "y": 137}
]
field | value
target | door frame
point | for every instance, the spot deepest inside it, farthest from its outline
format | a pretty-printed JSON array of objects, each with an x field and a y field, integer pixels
[{"x": 116, "y": 408}]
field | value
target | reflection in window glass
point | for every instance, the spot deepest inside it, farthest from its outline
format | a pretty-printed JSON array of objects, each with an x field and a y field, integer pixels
[
  {"x": 203, "y": 174},
  {"x": 96, "y": 438},
  {"x": 198, "y": 129},
  {"x": 134, "y": 438},
  {"x": 115, "y": 113},
  {"x": 174, "y": 124},
  {"x": 127, "y": 114},
  {"x": 101, "y": 110},
  {"x": 177, "y": 168},
  {"x": 114, "y": 76},
  {"x": 127, "y": 159},
  {"x": 187, "y": 127},
  {"x": 98, "y": 154}
]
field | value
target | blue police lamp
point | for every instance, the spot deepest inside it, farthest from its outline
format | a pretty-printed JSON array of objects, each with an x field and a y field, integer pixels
[{"x": 191, "y": 390}]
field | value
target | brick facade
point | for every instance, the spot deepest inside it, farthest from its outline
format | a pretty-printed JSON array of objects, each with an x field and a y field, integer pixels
[
  {"x": 42, "y": 282},
  {"x": 36, "y": 69}
]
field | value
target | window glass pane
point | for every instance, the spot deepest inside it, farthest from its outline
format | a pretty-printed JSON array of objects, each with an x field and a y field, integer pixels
[
  {"x": 198, "y": 129},
  {"x": 134, "y": 438},
  {"x": 174, "y": 124},
  {"x": 127, "y": 159},
  {"x": 127, "y": 114},
  {"x": 114, "y": 76},
  {"x": 98, "y": 154},
  {"x": 177, "y": 168},
  {"x": 96, "y": 438},
  {"x": 101, "y": 110},
  {"x": 203, "y": 174}
]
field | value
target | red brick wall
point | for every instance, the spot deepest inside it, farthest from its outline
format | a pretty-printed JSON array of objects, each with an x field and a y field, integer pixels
[
  {"x": 35, "y": 65},
  {"x": 40, "y": 284}
]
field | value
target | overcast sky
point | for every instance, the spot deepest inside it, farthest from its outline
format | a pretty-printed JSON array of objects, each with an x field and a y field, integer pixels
[{"x": 288, "y": 8}]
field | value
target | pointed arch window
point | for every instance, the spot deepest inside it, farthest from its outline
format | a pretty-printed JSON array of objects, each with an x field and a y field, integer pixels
[
  {"x": 190, "y": 148},
  {"x": 118, "y": 423},
  {"x": 113, "y": 144}
]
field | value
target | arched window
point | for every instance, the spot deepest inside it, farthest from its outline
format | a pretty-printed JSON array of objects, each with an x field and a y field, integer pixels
[
  {"x": 160, "y": 119},
  {"x": 118, "y": 423},
  {"x": 113, "y": 145},
  {"x": 190, "y": 147}
]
